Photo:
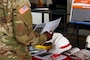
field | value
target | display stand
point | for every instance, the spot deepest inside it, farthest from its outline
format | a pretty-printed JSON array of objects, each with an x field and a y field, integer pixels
[{"x": 79, "y": 15}]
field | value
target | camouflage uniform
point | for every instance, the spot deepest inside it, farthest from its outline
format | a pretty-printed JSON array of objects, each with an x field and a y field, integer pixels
[{"x": 16, "y": 32}]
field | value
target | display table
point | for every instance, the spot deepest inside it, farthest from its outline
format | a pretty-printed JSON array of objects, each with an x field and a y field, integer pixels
[
  {"x": 43, "y": 55},
  {"x": 72, "y": 54}
]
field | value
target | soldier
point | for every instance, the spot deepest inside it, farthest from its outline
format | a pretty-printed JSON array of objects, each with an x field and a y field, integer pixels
[{"x": 16, "y": 32}]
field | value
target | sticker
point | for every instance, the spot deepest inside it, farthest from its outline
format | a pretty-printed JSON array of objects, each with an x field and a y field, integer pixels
[{"x": 23, "y": 9}]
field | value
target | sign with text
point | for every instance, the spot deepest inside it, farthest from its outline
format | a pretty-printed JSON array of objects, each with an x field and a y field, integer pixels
[{"x": 80, "y": 11}]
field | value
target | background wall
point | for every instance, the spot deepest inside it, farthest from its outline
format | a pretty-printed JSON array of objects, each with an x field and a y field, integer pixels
[{"x": 37, "y": 17}]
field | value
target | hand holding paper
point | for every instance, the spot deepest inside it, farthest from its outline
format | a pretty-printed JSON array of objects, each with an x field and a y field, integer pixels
[{"x": 49, "y": 35}]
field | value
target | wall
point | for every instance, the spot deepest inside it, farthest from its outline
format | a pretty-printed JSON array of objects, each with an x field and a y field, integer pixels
[{"x": 37, "y": 17}]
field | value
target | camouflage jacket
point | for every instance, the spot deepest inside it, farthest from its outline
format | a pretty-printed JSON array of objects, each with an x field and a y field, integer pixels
[{"x": 16, "y": 32}]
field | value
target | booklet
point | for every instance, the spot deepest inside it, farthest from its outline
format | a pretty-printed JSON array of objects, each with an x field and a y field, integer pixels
[{"x": 49, "y": 26}]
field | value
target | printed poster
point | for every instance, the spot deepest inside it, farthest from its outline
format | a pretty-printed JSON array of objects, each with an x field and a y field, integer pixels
[{"x": 80, "y": 11}]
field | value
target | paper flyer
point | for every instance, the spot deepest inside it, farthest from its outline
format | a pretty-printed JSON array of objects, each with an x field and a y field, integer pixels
[{"x": 49, "y": 26}]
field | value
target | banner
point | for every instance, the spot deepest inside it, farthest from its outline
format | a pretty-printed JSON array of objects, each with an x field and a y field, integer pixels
[{"x": 80, "y": 11}]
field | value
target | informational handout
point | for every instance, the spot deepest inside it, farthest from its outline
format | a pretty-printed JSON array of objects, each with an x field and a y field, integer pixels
[{"x": 49, "y": 26}]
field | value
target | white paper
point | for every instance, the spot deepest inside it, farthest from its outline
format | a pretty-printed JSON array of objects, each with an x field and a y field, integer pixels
[{"x": 49, "y": 26}]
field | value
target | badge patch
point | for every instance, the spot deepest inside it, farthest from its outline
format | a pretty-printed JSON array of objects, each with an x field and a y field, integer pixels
[{"x": 23, "y": 9}]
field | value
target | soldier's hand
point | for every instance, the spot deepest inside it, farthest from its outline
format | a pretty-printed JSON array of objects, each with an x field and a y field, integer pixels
[{"x": 49, "y": 35}]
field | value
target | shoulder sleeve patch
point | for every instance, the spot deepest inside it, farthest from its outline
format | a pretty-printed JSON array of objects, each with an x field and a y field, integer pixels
[{"x": 23, "y": 9}]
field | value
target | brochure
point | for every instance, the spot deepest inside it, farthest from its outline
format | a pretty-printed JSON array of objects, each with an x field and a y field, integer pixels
[{"x": 49, "y": 26}]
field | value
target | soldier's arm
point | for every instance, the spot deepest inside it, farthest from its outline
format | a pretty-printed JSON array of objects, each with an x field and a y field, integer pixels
[{"x": 23, "y": 25}]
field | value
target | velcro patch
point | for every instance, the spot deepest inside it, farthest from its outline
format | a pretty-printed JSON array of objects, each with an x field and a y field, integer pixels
[{"x": 23, "y": 9}]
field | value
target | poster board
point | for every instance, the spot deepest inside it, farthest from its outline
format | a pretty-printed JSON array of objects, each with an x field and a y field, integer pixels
[{"x": 80, "y": 12}]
